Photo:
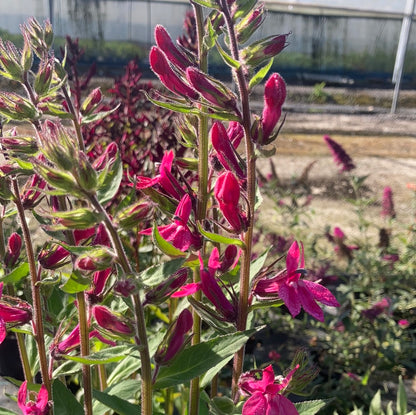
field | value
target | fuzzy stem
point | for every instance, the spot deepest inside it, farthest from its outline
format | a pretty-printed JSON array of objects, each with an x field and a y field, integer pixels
[
  {"x": 202, "y": 197},
  {"x": 38, "y": 329},
  {"x": 243, "y": 304},
  {"x": 141, "y": 334}
]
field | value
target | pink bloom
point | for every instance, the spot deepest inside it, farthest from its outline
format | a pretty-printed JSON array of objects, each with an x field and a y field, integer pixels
[
  {"x": 40, "y": 407},
  {"x": 273, "y": 355},
  {"x": 265, "y": 393},
  {"x": 213, "y": 291},
  {"x": 294, "y": 292},
  {"x": 274, "y": 97},
  {"x": 14, "y": 245},
  {"x": 403, "y": 323},
  {"x": 387, "y": 204},
  {"x": 178, "y": 232},
  {"x": 227, "y": 193},
  {"x": 378, "y": 308},
  {"x": 165, "y": 179}
]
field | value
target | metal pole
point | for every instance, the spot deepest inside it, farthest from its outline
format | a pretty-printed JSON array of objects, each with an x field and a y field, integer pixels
[
  {"x": 401, "y": 51},
  {"x": 51, "y": 11}
]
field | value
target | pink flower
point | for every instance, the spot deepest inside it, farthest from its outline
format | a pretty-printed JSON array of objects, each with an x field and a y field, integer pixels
[
  {"x": 40, "y": 407},
  {"x": 403, "y": 323},
  {"x": 14, "y": 245},
  {"x": 178, "y": 232},
  {"x": 378, "y": 308},
  {"x": 294, "y": 292},
  {"x": 227, "y": 193},
  {"x": 274, "y": 97},
  {"x": 165, "y": 179},
  {"x": 265, "y": 393},
  {"x": 109, "y": 321}
]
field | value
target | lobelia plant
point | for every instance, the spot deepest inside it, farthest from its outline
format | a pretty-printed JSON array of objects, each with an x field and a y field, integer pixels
[{"x": 133, "y": 338}]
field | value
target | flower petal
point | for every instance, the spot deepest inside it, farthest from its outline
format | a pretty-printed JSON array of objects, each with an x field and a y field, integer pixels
[
  {"x": 255, "y": 405},
  {"x": 3, "y": 331},
  {"x": 292, "y": 259},
  {"x": 279, "y": 405},
  {"x": 307, "y": 299},
  {"x": 289, "y": 296},
  {"x": 321, "y": 293}
]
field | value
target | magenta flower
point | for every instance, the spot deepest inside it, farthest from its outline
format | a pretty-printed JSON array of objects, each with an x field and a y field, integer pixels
[
  {"x": 178, "y": 232},
  {"x": 167, "y": 76},
  {"x": 403, "y": 323},
  {"x": 265, "y": 393},
  {"x": 227, "y": 193},
  {"x": 378, "y": 308},
  {"x": 341, "y": 158},
  {"x": 294, "y": 292},
  {"x": 175, "y": 339},
  {"x": 165, "y": 179},
  {"x": 274, "y": 97},
  {"x": 40, "y": 407},
  {"x": 226, "y": 152},
  {"x": 387, "y": 204},
  {"x": 213, "y": 291}
]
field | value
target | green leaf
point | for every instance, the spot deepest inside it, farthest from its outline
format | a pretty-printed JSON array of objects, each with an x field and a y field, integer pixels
[
  {"x": 109, "y": 181},
  {"x": 64, "y": 402},
  {"x": 197, "y": 360},
  {"x": 214, "y": 237},
  {"x": 375, "y": 405},
  {"x": 166, "y": 247},
  {"x": 212, "y": 4},
  {"x": 401, "y": 404},
  {"x": 110, "y": 355},
  {"x": 75, "y": 283},
  {"x": 259, "y": 76},
  {"x": 120, "y": 406},
  {"x": 258, "y": 263},
  {"x": 210, "y": 36},
  {"x": 311, "y": 407},
  {"x": 22, "y": 271},
  {"x": 97, "y": 116},
  {"x": 220, "y": 115},
  {"x": 227, "y": 58},
  {"x": 158, "y": 273},
  {"x": 4, "y": 411},
  {"x": 183, "y": 108}
]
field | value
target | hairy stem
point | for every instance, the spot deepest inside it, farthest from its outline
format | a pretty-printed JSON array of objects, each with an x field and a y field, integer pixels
[
  {"x": 141, "y": 334},
  {"x": 202, "y": 196},
  {"x": 37, "y": 322},
  {"x": 243, "y": 304}
]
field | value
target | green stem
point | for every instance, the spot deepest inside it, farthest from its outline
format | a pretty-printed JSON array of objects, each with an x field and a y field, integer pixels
[
  {"x": 141, "y": 334},
  {"x": 38, "y": 329},
  {"x": 243, "y": 305},
  {"x": 202, "y": 197}
]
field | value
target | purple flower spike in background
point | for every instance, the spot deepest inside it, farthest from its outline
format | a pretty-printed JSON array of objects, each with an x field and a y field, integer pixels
[
  {"x": 341, "y": 158},
  {"x": 387, "y": 204}
]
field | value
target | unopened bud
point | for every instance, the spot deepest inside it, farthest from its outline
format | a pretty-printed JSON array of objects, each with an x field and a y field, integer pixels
[
  {"x": 19, "y": 145},
  {"x": 53, "y": 256},
  {"x": 250, "y": 23},
  {"x": 134, "y": 215},
  {"x": 85, "y": 174},
  {"x": 97, "y": 259},
  {"x": 92, "y": 101},
  {"x": 43, "y": 77},
  {"x": 17, "y": 108},
  {"x": 81, "y": 218},
  {"x": 31, "y": 192},
  {"x": 111, "y": 322},
  {"x": 10, "y": 58},
  {"x": 107, "y": 158},
  {"x": 14, "y": 246},
  {"x": 172, "y": 52},
  {"x": 263, "y": 50},
  {"x": 212, "y": 90}
]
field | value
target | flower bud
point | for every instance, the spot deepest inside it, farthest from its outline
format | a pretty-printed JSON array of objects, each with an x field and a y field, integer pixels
[
  {"x": 31, "y": 192},
  {"x": 250, "y": 23},
  {"x": 235, "y": 132},
  {"x": 92, "y": 101},
  {"x": 56, "y": 178},
  {"x": 53, "y": 256},
  {"x": 10, "y": 64},
  {"x": 172, "y": 52},
  {"x": 175, "y": 339},
  {"x": 19, "y": 145},
  {"x": 263, "y": 50},
  {"x": 274, "y": 97},
  {"x": 227, "y": 193},
  {"x": 164, "y": 290},
  {"x": 107, "y": 158},
  {"x": 125, "y": 287},
  {"x": 110, "y": 321},
  {"x": 167, "y": 76},
  {"x": 14, "y": 245},
  {"x": 43, "y": 77},
  {"x": 134, "y": 215},
  {"x": 229, "y": 258},
  {"x": 81, "y": 218},
  {"x": 225, "y": 151},
  {"x": 85, "y": 174},
  {"x": 213, "y": 91},
  {"x": 27, "y": 56},
  {"x": 17, "y": 108},
  {"x": 97, "y": 259}
]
